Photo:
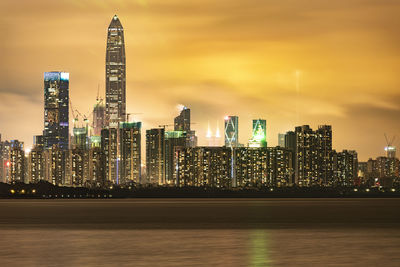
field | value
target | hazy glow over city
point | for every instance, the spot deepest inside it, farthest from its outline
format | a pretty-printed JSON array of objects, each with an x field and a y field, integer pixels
[{"x": 289, "y": 62}]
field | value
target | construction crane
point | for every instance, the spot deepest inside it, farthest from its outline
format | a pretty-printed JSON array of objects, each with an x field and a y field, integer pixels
[
  {"x": 128, "y": 114},
  {"x": 99, "y": 100},
  {"x": 165, "y": 125},
  {"x": 75, "y": 118}
]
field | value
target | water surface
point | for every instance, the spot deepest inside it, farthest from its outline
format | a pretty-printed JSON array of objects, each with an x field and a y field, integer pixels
[{"x": 200, "y": 232}]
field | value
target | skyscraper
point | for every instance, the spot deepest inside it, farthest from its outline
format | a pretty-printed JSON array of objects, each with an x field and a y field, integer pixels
[
  {"x": 56, "y": 104},
  {"x": 182, "y": 122},
  {"x": 115, "y": 74},
  {"x": 5, "y": 147},
  {"x": 313, "y": 160},
  {"x": 155, "y": 155},
  {"x": 324, "y": 153},
  {"x": 36, "y": 161},
  {"x": 259, "y": 134},
  {"x": 172, "y": 140},
  {"x": 17, "y": 161},
  {"x": 345, "y": 166},
  {"x": 203, "y": 166},
  {"x": 306, "y": 157},
  {"x": 109, "y": 148},
  {"x": 231, "y": 131},
  {"x": 130, "y": 150},
  {"x": 99, "y": 120}
]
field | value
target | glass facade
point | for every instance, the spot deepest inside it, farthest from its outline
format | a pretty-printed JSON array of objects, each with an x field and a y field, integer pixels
[
  {"x": 115, "y": 74},
  {"x": 56, "y": 108},
  {"x": 231, "y": 131}
]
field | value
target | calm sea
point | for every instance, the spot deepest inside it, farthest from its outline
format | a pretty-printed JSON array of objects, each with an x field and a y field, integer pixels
[{"x": 200, "y": 232}]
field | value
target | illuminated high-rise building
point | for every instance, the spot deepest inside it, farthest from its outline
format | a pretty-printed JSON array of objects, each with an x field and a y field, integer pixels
[
  {"x": 155, "y": 156},
  {"x": 251, "y": 166},
  {"x": 203, "y": 166},
  {"x": 5, "y": 147},
  {"x": 306, "y": 157},
  {"x": 79, "y": 166},
  {"x": 390, "y": 151},
  {"x": 324, "y": 154},
  {"x": 56, "y": 108},
  {"x": 182, "y": 123},
  {"x": 96, "y": 173},
  {"x": 231, "y": 131},
  {"x": 290, "y": 143},
  {"x": 130, "y": 153},
  {"x": 345, "y": 168},
  {"x": 57, "y": 166},
  {"x": 259, "y": 134},
  {"x": 36, "y": 167},
  {"x": 80, "y": 138},
  {"x": 263, "y": 166},
  {"x": 99, "y": 117},
  {"x": 109, "y": 148},
  {"x": 313, "y": 159},
  {"x": 17, "y": 161},
  {"x": 172, "y": 140},
  {"x": 115, "y": 74}
]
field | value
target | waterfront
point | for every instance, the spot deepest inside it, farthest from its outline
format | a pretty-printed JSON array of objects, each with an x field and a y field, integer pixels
[{"x": 200, "y": 232}]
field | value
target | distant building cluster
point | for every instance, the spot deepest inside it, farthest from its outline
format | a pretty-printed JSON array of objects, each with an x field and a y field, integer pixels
[{"x": 108, "y": 151}]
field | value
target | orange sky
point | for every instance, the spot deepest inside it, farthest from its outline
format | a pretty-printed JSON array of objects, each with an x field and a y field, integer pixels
[{"x": 227, "y": 57}]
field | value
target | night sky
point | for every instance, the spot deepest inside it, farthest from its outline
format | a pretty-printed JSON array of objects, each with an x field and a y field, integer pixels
[{"x": 291, "y": 62}]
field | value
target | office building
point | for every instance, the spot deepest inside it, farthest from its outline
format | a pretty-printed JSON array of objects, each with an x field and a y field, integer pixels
[
  {"x": 259, "y": 134},
  {"x": 115, "y": 74},
  {"x": 56, "y": 108},
  {"x": 182, "y": 123},
  {"x": 231, "y": 131}
]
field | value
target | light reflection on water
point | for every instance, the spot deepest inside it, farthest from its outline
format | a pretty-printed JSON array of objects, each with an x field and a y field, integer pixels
[
  {"x": 200, "y": 232},
  {"x": 205, "y": 247}
]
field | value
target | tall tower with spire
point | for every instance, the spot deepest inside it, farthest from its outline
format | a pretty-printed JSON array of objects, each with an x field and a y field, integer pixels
[{"x": 115, "y": 74}]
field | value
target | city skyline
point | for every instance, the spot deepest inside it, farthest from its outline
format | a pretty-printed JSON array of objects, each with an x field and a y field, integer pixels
[{"x": 217, "y": 84}]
